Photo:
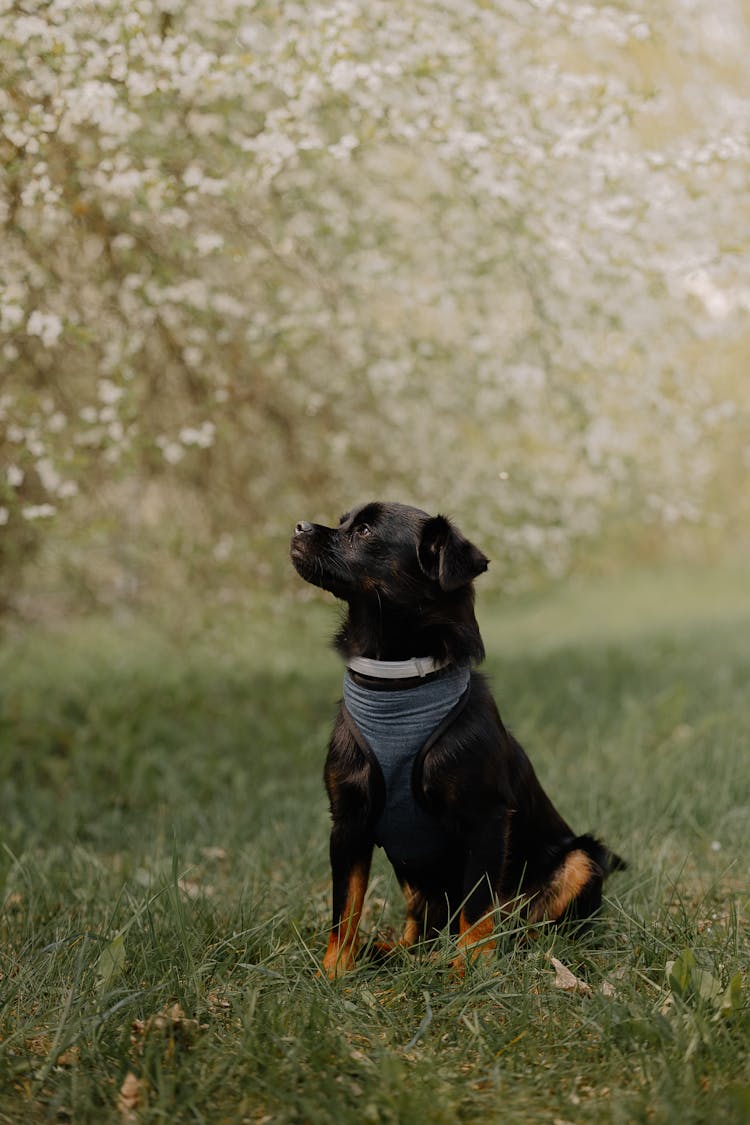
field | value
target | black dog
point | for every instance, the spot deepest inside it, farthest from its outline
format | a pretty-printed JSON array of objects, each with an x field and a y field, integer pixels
[{"x": 419, "y": 760}]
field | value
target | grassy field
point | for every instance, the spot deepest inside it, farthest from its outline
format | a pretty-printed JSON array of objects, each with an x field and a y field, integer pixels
[{"x": 164, "y": 884}]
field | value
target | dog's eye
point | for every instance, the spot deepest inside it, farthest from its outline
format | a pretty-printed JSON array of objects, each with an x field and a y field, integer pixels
[{"x": 364, "y": 530}]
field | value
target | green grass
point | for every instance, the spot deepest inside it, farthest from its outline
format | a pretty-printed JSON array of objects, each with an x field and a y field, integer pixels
[{"x": 163, "y": 841}]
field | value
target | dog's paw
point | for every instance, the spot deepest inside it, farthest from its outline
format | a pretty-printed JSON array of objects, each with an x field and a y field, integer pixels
[
  {"x": 458, "y": 967},
  {"x": 470, "y": 956},
  {"x": 338, "y": 960},
  {"x": 381, "y": 950},
  {"x": 476, "y": 941}
]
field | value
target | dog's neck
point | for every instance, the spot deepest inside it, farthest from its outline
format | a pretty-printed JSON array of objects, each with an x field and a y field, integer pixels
[{"x": 446, "y": 631}]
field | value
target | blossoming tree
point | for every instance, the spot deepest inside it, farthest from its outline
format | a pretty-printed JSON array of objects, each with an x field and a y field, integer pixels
[{"x": 484, "y": 255}]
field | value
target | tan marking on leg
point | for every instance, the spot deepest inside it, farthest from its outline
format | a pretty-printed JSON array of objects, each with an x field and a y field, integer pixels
[
  {"x": 412, "y": 932},
  {"x": 566, "y": 883},
  {"x": 473, "y": 940},
  {"x": 471, "y": 934},
  {"x": 414, "y": 916},
  {"x": 344, "y": 938}
]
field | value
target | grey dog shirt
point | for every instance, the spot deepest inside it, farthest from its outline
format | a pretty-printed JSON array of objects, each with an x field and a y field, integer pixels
[{"x": 395, "y": 726}]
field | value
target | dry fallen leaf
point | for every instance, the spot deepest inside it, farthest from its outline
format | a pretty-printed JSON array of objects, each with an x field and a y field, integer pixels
[
  {"x": 129, "y": 1097},
  {"x": 216, "y": 1003},
  {"x": 38, "y": 1045},
  {"x": 69, "y": 1057},
  {"x": 171, "y": 1023},
  {"x": 568, "y": 981},
  {"x": 192, "y": 889}
]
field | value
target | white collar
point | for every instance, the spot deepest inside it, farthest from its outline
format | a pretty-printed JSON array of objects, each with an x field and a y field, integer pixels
[{"x": 420, "y": 666}]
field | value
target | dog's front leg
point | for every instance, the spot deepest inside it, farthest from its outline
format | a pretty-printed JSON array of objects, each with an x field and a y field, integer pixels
[
  {"x": 350, "y": 868},
  {"x": 485, "y": 849}
]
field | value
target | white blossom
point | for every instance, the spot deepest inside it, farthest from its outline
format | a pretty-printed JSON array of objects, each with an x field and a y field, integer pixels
[
  {"x": 38, "y": 511},
  {"x": 109, "y": 392},
  {"x": 47, "y": 326},
  {"x": 48, "y": 475},
  {"x": 11, "y": 316},
  {"x": 208, "y": 241},
  {"x": 202, "y": 436},
  {"x": 171, "y": 451}
]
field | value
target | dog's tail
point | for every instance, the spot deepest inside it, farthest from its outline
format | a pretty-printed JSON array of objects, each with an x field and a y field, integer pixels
[{"x": 603, "y": 856}]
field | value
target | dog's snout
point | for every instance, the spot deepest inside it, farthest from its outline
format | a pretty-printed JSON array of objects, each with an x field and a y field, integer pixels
[{"x": 303, "y": 528}]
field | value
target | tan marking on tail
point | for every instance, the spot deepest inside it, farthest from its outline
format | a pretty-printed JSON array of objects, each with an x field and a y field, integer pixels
[{"x": 566, "y": 884}]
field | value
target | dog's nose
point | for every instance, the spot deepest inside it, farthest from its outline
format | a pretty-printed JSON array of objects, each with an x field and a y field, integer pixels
[{"x": 303, "y": 528}]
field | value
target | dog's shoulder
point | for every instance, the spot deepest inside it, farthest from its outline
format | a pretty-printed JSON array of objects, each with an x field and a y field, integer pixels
[{"x": 469, "y": 767}]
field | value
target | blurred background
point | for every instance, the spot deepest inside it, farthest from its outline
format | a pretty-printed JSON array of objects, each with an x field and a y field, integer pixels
[{"x": 260, "y": 261}]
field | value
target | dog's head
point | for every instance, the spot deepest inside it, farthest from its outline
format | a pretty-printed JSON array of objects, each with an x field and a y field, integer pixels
[{"x": 397, "y": 554}]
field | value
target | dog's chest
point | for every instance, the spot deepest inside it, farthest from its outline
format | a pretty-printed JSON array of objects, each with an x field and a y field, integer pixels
[{"x": 394, "y": 726}]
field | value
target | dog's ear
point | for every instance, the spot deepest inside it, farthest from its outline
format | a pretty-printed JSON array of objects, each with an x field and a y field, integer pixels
[{"x": 447, "y": 556}]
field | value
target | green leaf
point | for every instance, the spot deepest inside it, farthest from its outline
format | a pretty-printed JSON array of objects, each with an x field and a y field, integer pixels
[
  {"x": 706, "y": 985},
  {"x": 731, "y": 1002},
  {"x": 111, "y": 962},
  {"x": 740, "y": 1100},
  {"x": 679, "y": 973}
]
